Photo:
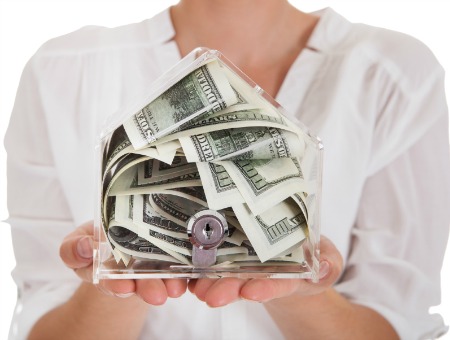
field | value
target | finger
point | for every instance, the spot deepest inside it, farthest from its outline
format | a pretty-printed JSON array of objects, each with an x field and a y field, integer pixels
[
  {"x": 330, "y": 268},
  {"x": 329, "y": 257},
  {"x": 224, "y": 291},
  {"x": 152, "y": 291},
  {"x": 263, "y": 290},
  {"x": 77, "y": 251},
  {"x": 191, "y": 285},
  {"x": 117, "y": 287},
  {"x": 175, "y": 287},
  {"x": 201, "y": 287}
]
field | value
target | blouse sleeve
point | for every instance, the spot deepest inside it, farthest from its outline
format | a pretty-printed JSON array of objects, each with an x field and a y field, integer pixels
[
  {"x": 38, "y": 212},
  {"x": 401, "y": 229}
]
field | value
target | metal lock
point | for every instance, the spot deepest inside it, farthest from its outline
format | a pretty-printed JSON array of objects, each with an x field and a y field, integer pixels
[{"x": 207, "y": 230}]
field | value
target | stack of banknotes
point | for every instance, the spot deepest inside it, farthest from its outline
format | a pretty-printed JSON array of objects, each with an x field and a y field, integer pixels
[{"x": 209, "y": 141}]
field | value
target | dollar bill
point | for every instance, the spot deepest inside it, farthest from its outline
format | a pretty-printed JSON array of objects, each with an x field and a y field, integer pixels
[
  {"x": 252, "y": 259},
  {"x": 140, "y": 216},
  {"x": 205, "y": 90},
  {"x": 117, "y": 169},
  {"x": 128, "y": 215},
  {"x": 156, "y": 171},
  {"x": 235, "y": 117},
  {"x": 274, "y": 232},
  {"x": 127, "y": 183},
  {"x": 300, "y": 198},
  {"x": 117, "y": 175},
  {"x": 219, "y": 188},
  {"x": 174, "y": 208},
  {"x": 118, "y": 146},
  {"x": 193, "y": 194},
  {"x": 114, "y": 148},
  {"x": 242, "y": 143},
  {"x": 128, "y": 242},
  {"x": 264, "y": 183}
]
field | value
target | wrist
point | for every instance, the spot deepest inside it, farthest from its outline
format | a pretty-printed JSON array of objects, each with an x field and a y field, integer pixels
[
  {"x": 89, "y": 295},
  {"x": 307, "y": 315},
  {"x": 298, "y": 301},
  {"x": 89, "y": 313}
]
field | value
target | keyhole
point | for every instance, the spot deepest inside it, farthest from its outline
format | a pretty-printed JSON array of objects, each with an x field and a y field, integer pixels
[{"x": 207, "y": 231}]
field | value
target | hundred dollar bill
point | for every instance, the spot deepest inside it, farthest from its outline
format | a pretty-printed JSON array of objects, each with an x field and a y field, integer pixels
[
  {"x": 309, "y": 205},
  {"x": 205, "y": 90},
  {"x": 129, "y": 243},
  {"x": 118, "y": 174},
  {"x": 192, "y": 194},
  {"x": 174, "y": 208},
  {"x": 145, "y": 217},
  {"x": 121, "y": 166},
  {"x": 252, "y": 259},
  {"x": 119, "y": 146},
  {"x": 127, "y": 183},
  {"x": 226, "y": 119},
  {"x": 264, "y": 183},
  {"x": 300, "y": 198},
  {"x": 136, "y": 214},
  {"x": 241, "y": 104},
  {"x": 125, "y": 216},
  {"x": 170, "y": 147},
  {"x": 108, "y": 212},
  {"x": 148, "y": 152},
  {"x": 243, "y": 143},
  {"x": 219, "y": 188},
  {"x": 157, "y": 171},
  {"x": 166, "y": 156},
  {"x": 274, "y": 232},
  {"x": 110, "y": 215}
]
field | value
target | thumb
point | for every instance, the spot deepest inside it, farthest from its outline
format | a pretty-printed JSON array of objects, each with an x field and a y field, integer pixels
[
  {"x": 331, "y": 262},
  {"x": 77, "y": 251}
]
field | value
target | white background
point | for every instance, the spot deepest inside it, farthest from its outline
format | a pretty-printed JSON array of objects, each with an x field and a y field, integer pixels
[{"x": 25, "y": 25}]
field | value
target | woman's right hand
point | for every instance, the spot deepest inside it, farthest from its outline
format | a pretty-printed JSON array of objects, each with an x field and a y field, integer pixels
[{"x": 77, "y": 250}]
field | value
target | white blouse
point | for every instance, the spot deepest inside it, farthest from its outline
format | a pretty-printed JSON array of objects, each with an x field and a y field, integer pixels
[{"x": 375, "y": 97}]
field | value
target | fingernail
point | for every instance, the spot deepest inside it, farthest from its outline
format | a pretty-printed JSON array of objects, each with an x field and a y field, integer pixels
[
  {"x": 250, "y": 300},
  {"x": 324, "y": 269},
  {"x": 85, "y": 247},
  {"x": 124, "y": 295}
]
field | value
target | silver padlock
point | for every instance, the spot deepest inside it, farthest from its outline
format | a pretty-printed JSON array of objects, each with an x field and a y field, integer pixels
[{"x": 206, "y": 230}]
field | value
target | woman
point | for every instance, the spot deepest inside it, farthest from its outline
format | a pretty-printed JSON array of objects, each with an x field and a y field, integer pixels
[{"x": 375, "y": 97}]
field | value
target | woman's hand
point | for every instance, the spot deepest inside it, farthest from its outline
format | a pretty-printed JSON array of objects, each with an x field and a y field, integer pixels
[
  {"x": 76, "y": 251},
  {"x": 220, "y": 292}
]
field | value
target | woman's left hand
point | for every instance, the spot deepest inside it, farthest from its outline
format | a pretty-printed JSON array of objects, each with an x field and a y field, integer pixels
[{"x": 223, "y": 291}]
